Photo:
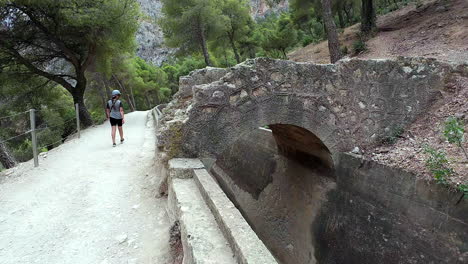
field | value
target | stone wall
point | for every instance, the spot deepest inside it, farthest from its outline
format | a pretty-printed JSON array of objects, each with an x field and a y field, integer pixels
[
  {"x": 361, "y": 212},
  {"x": 348, "y": 104}
]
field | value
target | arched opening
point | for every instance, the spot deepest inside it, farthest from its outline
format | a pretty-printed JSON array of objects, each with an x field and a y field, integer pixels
[
  {"x": 300, "y": 144},
  {"x": 278, "y": 176}
]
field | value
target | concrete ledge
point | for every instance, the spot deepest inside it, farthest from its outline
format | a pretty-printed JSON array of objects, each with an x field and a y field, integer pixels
[
  {"x": 183, "y": 168},
  {"x": 247, "y": 247},
  {"x": 202, "y": 240}
]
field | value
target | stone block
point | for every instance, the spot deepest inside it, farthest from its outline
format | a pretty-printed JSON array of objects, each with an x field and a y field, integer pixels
[{"x": 183, "y": 168}]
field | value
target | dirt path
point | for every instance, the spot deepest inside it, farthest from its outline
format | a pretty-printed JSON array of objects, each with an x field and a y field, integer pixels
[{"x": 87, "y": 203}]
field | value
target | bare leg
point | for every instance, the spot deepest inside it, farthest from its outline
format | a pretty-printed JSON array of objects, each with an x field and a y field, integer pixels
[
  {"x": 113, "y": 133},
  {"x": 121, "y": 133}
]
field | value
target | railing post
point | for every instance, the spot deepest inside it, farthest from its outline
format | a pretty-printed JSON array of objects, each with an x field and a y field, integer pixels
[
  {"x": 32, "y": 117},
  {"x": 77, "y": 112}
]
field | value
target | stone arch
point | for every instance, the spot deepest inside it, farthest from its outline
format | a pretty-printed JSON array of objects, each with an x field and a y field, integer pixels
[
  {"x": 210, "y": 131},
  {"x": 345, "y": 104}
]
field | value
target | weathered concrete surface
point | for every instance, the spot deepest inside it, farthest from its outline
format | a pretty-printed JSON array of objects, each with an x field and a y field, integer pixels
[
  {"x": 278, "y": 196},
  {"x": 352, "y": 103},
  {"x": 384, "y": 215},
  {"x": 183, "y": 168},
  {"x": 210, "y": 224},
  {"x": 247, "y": 247},
  {"x": 202, "y": 240},
  {"x": 364, "y": 213}
]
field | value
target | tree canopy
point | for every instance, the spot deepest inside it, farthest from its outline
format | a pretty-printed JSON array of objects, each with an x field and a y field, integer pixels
[{"x": 60, "y": 40}]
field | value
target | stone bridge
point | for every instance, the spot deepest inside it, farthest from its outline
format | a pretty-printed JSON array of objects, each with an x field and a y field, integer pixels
[
  {"x": 305, "y": 197},
  {"x": 312, "y": 109}
]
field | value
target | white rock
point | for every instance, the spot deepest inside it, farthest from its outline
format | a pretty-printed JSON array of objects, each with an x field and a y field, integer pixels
[
  {"x": 356, "y": 150},
  {"x": 121, "y": 238}
]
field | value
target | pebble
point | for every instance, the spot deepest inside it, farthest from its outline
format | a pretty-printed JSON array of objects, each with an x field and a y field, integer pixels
[
  {"x": 356, "y": 150},
  {"x": 122, "y": 238}
]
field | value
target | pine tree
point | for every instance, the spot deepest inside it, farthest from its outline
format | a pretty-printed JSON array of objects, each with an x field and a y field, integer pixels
[
  {"x": 189, "y": 24},
  {"x": 333, "y": 42},
  {"x": 238, "y": 23},
  {"x": 368, "y": 18}
]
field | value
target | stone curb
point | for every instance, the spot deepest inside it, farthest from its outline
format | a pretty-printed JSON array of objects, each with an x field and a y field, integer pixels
[{"x": 247, "y": 247}]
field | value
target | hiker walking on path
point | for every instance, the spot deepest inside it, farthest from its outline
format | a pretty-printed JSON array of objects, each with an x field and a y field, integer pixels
[{"x": 115, "y": 114}]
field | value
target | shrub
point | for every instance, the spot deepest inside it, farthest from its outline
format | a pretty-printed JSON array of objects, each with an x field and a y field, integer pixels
[
  {"x": 464, "y": 189},
  {"x": 393, "y": 135},
  {"x": 99, "y": 116},
  {"x": 359, "y": 46},
  {"x": 454, "y": 132},
  {"x": 344, "y": 50},
  {"x": 307, "y": 40},
  {"x": 438, "y": 164}
]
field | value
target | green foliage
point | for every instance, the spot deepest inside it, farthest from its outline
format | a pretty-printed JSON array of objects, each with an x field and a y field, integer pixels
[
  {"x": 23, "y": 151},
  {"x": 60, "y": 40},
  {"x": 359, "y": 46},
  {"x": 278, "y": 36},
  {"x": 181, "y": 67},
  {"x": 306, "y": 40},
  {"x": 238, "y": 24},
  {"x": 344, "y": 50},
  {"x": 454, "y": 132},
  {"x": 393, "y": 135},
  {"x": 464, "y": 189},
  {"x": 438, "y": 164},
  {"x": 190, "y": 24}
]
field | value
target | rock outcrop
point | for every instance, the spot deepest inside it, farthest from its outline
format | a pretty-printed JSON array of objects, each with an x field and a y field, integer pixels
[
  {"x": 261, "y": 8},
  {"x": 150, "y": 37}
]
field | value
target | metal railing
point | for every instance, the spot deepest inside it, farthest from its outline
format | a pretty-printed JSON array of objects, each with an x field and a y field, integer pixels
[{"x": 35, "y": 131}]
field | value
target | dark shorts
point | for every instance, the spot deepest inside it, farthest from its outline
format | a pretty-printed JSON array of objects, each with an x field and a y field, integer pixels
[{"x": 115, "y": 122}]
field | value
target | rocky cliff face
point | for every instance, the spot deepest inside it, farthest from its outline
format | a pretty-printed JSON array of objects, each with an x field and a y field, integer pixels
[
  {"x": 261, "y": 8},
  {"x": 150, "y": 38}
]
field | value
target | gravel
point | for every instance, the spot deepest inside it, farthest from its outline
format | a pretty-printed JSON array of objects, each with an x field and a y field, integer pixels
[{"x": 79, "y": 205}]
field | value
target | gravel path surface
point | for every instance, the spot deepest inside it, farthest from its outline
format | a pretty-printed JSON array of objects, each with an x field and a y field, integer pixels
[{"x": 87, "y": 202}]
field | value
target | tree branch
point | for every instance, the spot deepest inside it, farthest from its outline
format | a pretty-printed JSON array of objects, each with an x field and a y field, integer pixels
[
  {"x": 67, "y": 52},
  {"x": 56, "y": 78}
]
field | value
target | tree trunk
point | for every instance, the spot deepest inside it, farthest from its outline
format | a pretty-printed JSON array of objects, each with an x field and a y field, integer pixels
[
  {"x": 7, "y": 160},
  {"x": 102, "y": 92},
  {"x": 133, "y": 98},
  {"x": 85, "y": 117},
  {"x": 148, "y": 104},
  {"x": 347, "y": 14},
  {"x": 78, "y": 98},
  {"x": 234, "y": 48},
  {"x": 106, "y": 85},
  {"x": 333, "y": 42},
  {"x": 340, "y": 18},
  {"x": 367, "y": 17},
  {"x": 204, "y": 47}
]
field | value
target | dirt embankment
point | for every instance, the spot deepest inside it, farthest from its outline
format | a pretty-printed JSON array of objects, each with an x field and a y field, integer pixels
[{"x": 435, "y": 28}]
